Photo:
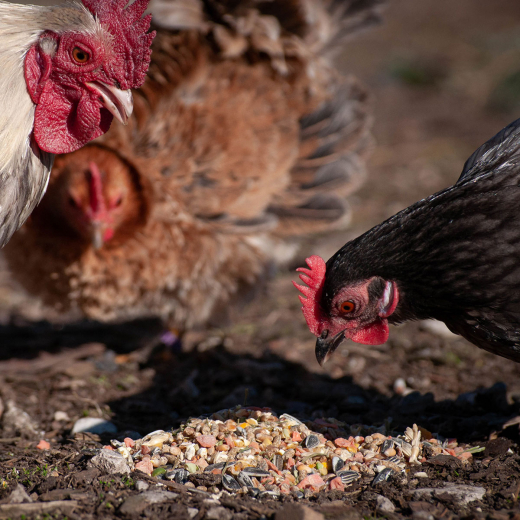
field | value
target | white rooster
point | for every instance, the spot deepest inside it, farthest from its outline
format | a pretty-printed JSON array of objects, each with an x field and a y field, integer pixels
[{"x": 65, "y": 72}]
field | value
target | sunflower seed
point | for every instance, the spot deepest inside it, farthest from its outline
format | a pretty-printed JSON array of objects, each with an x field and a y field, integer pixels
[
  {"x": 230, "y": 483},
  {"x": 311, "y": 441},
  {"x": 179, "y": 475},
  {"x": 278, "y": 462},
  {"x": 337, "y": 464},
  {"x": 254, "y": 492},
  {"x": 256, "y": 472},
  {"x": 387, "y": 445},
  {"x": 347, "y": 477},
  {"x": 289, "y": 418},
  {"x": 245, "y": 480},
  {"x": 383, "y": 476}
]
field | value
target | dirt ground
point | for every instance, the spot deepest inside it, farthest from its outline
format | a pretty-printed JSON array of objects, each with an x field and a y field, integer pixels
[{"x": 445, "y": 77}]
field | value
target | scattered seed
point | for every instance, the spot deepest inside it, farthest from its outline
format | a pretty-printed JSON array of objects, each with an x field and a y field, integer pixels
[
  {"x": 311, "y": 441},
  {"x": 383, "y": 476},
  {"x": 245, "y": 480},
  {"x": 254, "y": 450},
  {"x": 347, "y": 477},
  {"x": 157, "y": 472},
  {"x": 289, "y": 418},
  {"x": 389, "y": 443},
  {"x": 337, "y": 464},
  {"x": 230, "y": 483},
  {"x": 256, "y": 472}
]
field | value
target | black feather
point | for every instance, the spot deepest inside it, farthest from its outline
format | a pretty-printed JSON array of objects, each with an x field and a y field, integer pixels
[{"x": 455, "y": 255}]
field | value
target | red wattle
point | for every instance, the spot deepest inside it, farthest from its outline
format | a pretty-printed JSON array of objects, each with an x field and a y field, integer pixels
[
  {"x": 66, "y": 120},
  {"x": 374, "y": 334}
]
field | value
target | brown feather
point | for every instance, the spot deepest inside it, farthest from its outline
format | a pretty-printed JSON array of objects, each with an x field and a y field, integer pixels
[{"x": 232, "y": 147}]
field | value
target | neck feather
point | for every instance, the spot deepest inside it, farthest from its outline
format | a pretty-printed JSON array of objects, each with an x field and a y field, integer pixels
[{"x": 24, "y": 168}]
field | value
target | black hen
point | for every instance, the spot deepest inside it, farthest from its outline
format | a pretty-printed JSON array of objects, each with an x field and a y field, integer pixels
[{"x": 454, "y": 257}]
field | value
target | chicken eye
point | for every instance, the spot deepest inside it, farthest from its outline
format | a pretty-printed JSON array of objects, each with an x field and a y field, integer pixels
[
  {"x": 79, "y": 55},
  {"x": 347, "y": 307},
  {"x": 72, "y": 202}
]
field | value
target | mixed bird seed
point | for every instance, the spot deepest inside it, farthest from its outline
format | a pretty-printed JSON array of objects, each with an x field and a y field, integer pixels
[{"x": 251, "y": 450}]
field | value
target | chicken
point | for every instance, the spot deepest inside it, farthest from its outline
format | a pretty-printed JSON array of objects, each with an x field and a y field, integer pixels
[
  {"x": 452, "y": 256},
  {"x": 65, "y": 72},
  {"x": 242, "y": 137}
]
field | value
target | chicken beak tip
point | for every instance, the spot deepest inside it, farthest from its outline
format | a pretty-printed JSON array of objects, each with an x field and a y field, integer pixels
[
  {"x": 97, "y": 238},
  {"x": 325, "y": 347},
  {"x": 118, "y": 102}
]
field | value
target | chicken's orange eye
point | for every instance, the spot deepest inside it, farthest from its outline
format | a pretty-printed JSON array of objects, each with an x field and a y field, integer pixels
[
  {"x": 79, "y": 55},
  {"x": 347, "y": 307}
]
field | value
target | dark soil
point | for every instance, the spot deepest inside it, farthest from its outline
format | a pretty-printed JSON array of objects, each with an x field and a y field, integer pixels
[
  {"x": 147, "y": 388},
  {"x": 443, "y": 74}
]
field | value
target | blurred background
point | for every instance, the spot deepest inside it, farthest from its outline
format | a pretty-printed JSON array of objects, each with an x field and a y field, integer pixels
[{"x": 443, "y": 77}]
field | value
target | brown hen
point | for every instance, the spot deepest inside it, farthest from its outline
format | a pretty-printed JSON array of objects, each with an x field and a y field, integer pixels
[{"x": 242, "y": 137}]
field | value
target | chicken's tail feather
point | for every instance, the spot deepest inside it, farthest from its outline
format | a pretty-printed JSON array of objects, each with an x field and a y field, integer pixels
[
  {"x": 275, "y": 28},
  {"x": 346, "y": 19},
  {"x": 335, "y": 140}
]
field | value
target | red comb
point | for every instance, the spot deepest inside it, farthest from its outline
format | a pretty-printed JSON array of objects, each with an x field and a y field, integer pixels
[
  {"x": 131, "y": 41},
  {"x": 97, "y": 201},
  {"x": 314, "y": 278}
]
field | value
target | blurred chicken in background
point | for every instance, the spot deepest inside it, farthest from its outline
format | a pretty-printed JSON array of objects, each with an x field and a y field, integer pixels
[{"x": 243, "y": 137}]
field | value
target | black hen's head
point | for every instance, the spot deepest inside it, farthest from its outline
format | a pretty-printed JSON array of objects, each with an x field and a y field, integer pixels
[{"x": 338, "y": 307}]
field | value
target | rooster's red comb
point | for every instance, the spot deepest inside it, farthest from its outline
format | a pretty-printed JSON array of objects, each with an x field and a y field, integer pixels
[
  {"x": 131, "y": 41},
  {"x": 314, "y": 278}
]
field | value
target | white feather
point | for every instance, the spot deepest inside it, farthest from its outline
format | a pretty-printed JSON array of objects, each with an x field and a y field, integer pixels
[{"x": 24, "y": 168}]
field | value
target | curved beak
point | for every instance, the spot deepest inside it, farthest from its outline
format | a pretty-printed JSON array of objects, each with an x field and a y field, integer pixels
[
  {"x": 118, "y": 102},
  {"x": 326, "y": 346},
  {"x": 97, "y": 237}
]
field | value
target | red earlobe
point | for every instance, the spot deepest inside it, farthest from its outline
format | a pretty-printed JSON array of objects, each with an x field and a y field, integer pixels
[
  {"x": 37, "y": 69},
  {"x": 375, "y": 334}
]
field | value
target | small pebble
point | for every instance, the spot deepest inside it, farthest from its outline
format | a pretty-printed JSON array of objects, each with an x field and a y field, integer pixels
[
  {"x": 93, "y": 425},
  {"x": 61, "y": 416},
  {"x": 43, "y": 445},
  {"x": 141, "y": 485},
  {"x": 336, "y": 483},
  {"x": 206, "y": 441}
]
